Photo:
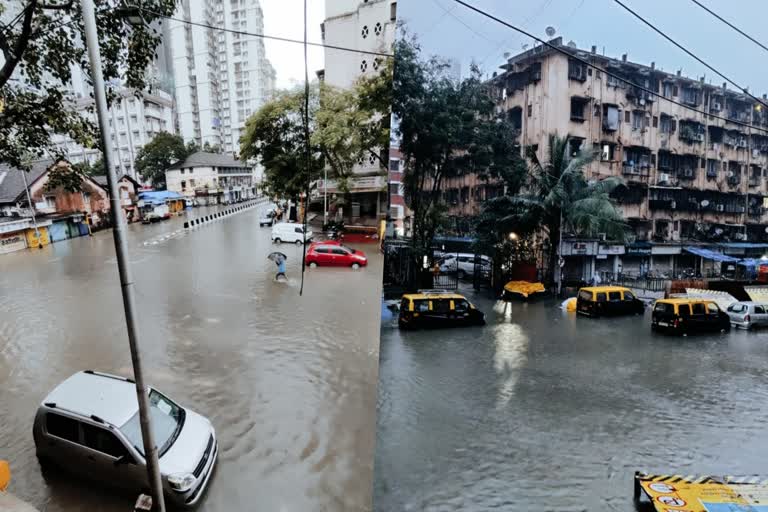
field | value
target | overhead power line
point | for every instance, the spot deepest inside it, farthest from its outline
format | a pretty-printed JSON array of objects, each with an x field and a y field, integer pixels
[
  {"x": 690, "y": 53},
  {"x": 265, "y": 36},
  {"x": 609, "y": 73},
  {"x": 734, "y": 27}
]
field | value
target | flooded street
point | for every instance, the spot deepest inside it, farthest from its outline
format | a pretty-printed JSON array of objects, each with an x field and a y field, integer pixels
[
  {"x": 288, "y": 382},
  {"x": 540, "y": 410}
]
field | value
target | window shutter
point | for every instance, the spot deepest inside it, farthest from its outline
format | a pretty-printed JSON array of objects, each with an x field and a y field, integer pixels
[
  {"x": 674, "y": 90},
  {"x": 672, "y": 125},
  {"x": 626, "y": 116},
  {"x": 655, "y": 121}
]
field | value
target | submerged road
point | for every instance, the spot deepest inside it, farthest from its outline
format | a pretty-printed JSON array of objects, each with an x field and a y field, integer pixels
[
  {"x": 289, "y": 382},
  {"x": 541, "y": 410}
]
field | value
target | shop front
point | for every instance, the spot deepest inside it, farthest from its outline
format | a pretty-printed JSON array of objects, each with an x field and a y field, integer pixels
[
  {"x": 637, "y": 258},
  {"x": 608, "y": 258},
  {"x": 579, "y": 260}
]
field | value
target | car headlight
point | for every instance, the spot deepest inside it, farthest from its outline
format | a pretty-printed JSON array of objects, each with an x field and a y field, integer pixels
[{"x": 181, "y": 482}]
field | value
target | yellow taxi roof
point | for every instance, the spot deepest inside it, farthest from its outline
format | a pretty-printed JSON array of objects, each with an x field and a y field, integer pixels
[
  {"x": 416, "y": 296},
  {"x": 598, "y": 289},
  {"x": 701, "y": 493},
  {"x": 683, "y": 300}
]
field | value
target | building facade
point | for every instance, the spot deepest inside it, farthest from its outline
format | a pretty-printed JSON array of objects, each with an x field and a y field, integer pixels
[
  {"x": 212, "y": 178},
  {"x": 367, "y": 26},
  {"x": 134, "y": 120},
  {"x": 53, "y": 215},
  {"x": 221, "y": 78},
  {"x": 691, "y": 178}
]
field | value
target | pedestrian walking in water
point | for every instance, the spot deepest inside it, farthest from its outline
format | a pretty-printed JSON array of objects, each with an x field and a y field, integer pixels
[{"x": 279, "y": 259}]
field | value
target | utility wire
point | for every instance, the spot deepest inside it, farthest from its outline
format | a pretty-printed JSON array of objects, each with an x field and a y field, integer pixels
[
  {"x": 734, "y": 27},
  {"x": 690, "y": 53},
  {"x": 608, "y": 73},
  {"x": 264, "y": 36},
  {"x": 307, "y": 152}
]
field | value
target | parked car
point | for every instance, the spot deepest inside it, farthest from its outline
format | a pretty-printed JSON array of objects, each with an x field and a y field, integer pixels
[
  {"x": 267, "y": 218},
  {"x": 290, "y": 232},
  {"x": 688, "y": 316},
  {"x": 748, "y": 314},
  {"x": 607, "y": 301},
  {"x": 331, "y": 253},
  {"x": 437, "y": 308},
  {"x": 464, "y": 264},
  {"x": 90, "y": 425}
]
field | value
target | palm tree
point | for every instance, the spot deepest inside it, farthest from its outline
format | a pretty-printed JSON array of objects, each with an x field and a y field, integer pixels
[{"x": 557, "y": 198}]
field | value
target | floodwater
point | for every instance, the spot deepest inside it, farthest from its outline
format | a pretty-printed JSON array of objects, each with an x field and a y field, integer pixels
[
  {"x": 289, "y": 382},
  {"x": 540, "y": 410}
]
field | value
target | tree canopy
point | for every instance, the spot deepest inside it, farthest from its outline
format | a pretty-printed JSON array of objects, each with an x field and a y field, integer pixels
[
  {"x": 275, "y": 136},
  {"x": 447, "y": 128},
  {"x": 157, "y": 156},
  {"x": 555, "y": 194},
  {"x": 40, "y": 44},
  {"x": 96, "y": 168}
]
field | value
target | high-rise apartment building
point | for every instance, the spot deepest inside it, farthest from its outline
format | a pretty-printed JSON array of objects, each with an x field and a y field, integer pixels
[
  {"x": 693, "y": 156},
  {"x": 367, "y": 26},
  {"x": 221, "y": 78}
]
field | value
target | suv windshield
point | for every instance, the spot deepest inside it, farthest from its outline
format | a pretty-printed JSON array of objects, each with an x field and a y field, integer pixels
[{"x": 167, "y": 420}]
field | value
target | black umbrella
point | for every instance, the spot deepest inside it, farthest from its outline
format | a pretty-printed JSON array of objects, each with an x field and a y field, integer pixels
[{"x": 277, "y": 257}]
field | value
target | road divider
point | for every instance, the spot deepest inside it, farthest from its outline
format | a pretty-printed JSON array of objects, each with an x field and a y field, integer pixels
[{"x": 199, "y": 221}]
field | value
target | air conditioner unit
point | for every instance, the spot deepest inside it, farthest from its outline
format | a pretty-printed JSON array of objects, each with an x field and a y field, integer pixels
[
  {"x": 663, "y": 177},
  {"x": 742, "y": 144},
  {"x": 755, "y": 153},
  {"x": 717, "y": 106}
]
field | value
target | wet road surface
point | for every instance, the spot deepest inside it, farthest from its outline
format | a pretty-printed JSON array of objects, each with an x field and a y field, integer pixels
[
  {"x": 289, "y": 382},
  {"x": 540, "y": 410}
]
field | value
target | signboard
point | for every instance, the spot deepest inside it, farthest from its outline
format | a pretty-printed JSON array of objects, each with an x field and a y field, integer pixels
[
  {"x": 610, "y": 249},
  {"x": 579, "y": 248},
  {"x": 13, "y": 242},
  {"x": 638, "y": 249},
  {"x": 707, "y": 494}
]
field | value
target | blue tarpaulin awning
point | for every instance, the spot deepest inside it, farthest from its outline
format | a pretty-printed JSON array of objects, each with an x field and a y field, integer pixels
[
  {"x": 158, "y": 196},
  {"x": 711, "y": 255}
]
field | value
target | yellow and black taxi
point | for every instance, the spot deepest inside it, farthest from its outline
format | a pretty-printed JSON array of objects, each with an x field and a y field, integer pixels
[
  {"x": 437, "y": 308},
  {"x": 686, "y": 315},
  {"x": 608, "y": 301}
]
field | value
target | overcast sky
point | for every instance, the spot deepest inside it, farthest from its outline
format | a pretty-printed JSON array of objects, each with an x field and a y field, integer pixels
[
  {"x": 285, "y": 18},
  {"x": 466, "y": 35}
]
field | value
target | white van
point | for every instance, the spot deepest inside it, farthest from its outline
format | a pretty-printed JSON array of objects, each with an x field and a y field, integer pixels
[{"x": 290, "y": 232}]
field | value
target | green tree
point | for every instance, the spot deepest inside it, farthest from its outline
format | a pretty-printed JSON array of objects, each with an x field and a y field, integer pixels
[
  {"x": 556, "y": 197},
  {"x": 212, "y": 148},
  {"x": 40, "y": 43},
  {"x": 157, "y": 156},
  {"x": 275, "y": 137},
  {"x": 447, "y": 128},
  {"x": 64, "y": 176},
  {"x": 96, "y": 168}
]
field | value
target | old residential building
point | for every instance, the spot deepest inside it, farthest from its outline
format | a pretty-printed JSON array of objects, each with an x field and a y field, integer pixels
[
  {"x": 369, "y": 26},
  {"x": 59, "y": 214},
  {"x": 212, "y": 178},
  {"x": 692, "y": 180}
]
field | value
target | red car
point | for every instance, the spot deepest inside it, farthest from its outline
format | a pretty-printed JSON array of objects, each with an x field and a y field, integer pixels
[{"x": 332, "y": 253}]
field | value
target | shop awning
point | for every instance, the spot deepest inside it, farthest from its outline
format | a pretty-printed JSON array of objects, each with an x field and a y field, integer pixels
[
  {"x": 743, "y": 245},
  {"x": 711, "y": 255}
]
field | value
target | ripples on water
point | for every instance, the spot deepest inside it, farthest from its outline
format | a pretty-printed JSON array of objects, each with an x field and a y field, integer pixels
[
  {"x": 540, "y": 410},
  {"x": 289, "y": 382}
]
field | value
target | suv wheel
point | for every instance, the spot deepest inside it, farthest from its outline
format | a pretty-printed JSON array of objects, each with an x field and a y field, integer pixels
[
  {"x": 277, "y": 240},
  {"x": 298, "y": 242}
]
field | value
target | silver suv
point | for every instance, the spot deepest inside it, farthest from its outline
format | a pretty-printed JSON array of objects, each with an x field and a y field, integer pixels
[{"x": 90, "y": 425}]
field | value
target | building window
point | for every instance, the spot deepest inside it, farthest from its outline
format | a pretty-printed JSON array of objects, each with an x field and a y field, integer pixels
[
  {"x": 667, "y": 89},
  {"x": 578, "y": 108},
  {"x": 530, "y": 110},
  {"x": 607, "y": 152},
  {"x": 50, "y": 202},
  {"x": 713, "y": 167},
  {"x": 577, "y": 70},
  {"x": 667, "y": 124},
  {"x": 394, "y": 165},
  {"x": 86, "y": 199},
  {"x": 376, "y": 63},
  {"x": 639, "y": 120},
  {"x": 377, "y": 29},
  {"x": 364, "y": 66},
  {"x": 364, "y": 31},
  {"x": 690, "y": 96},
  {"x": 393, "y": 11},
  {"x": 182, "y": 171},
  {"x": 192, "y": 183},
  {"x": 183, "y": 185}
]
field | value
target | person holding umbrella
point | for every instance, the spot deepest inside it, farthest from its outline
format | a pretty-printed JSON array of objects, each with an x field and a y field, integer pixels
[{"x": 279, "y": 259}]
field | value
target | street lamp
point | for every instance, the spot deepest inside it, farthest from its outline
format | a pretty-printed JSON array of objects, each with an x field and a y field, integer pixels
[
  {"x": 513, "y": 236},
  {"x": 121, "y": 251},
  {"x": 130, "y": 13}
]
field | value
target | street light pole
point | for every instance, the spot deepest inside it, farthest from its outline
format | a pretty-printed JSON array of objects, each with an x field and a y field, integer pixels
[
  {"x": 32, "y": 209},
  {"x": 123, "y": 263}
]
